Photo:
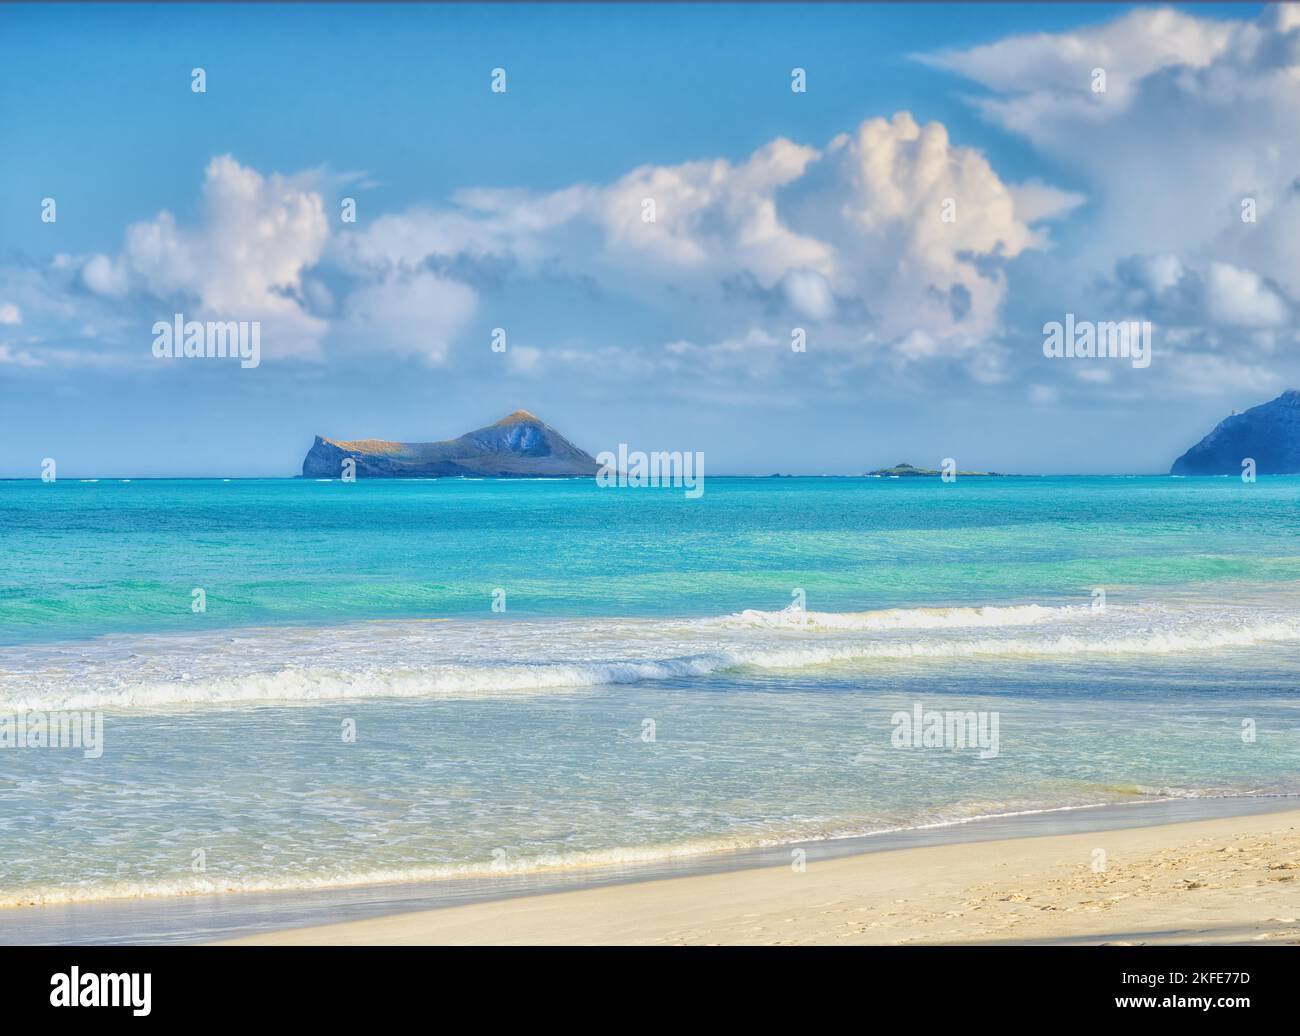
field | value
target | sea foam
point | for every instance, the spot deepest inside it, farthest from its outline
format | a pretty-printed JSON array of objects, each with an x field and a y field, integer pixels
[{"x": 497, "y": 659}]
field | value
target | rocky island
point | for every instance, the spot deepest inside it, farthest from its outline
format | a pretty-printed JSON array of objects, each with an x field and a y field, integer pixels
[
  {"x": 909, "y": 471},
  {"x": 1269, "y": 434},
  {"x": 518, "y": 446}
]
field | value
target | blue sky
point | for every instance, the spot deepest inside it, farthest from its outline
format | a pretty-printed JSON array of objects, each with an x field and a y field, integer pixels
[{"x": 521, "y": 210}]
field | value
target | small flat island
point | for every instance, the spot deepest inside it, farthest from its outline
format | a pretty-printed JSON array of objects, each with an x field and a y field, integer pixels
[{"x": 910, "y": 471}]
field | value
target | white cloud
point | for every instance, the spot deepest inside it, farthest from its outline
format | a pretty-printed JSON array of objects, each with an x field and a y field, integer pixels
[
  {"x": 106, "y": 276},
  {"x": 844, "y": 237},
  {"x": 418, "y": 314},
  {"x": 1199, "y": 115},
  {"x": 852, "y": 235},
  {"x": 243, "y": 260},
  {"x": 1047, "y": 75},
  {"x": 483, "y": 223},
  {"x": 879, "y": 203},
  {"x": 1036, "y": 201},
  {"x": 712, "y": 215},
  {"x": 809, "y": 293},
  {"x": 1240, "y": 298},
  {"x": 1157, "y": 273}
]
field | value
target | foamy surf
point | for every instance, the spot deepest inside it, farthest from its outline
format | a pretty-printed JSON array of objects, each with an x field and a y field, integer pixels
[
  {"x": 632, "y": 856},
  {"x": 904, "y": 618},
  {"x": 416, "y": 659}
]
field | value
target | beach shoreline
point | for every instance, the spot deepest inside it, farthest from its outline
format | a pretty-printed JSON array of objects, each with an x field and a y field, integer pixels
[
  {"x": 277, "y": 915},
  {"x": 1228, "y": 880}
]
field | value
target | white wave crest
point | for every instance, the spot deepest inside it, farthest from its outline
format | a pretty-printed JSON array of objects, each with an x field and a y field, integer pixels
[
  {"x": 904, "y": 618},
  {"x": 671, "y": 651}
]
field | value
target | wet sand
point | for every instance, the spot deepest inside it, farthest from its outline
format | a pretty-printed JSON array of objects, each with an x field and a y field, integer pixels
[{"x": 1225, "y": 880}]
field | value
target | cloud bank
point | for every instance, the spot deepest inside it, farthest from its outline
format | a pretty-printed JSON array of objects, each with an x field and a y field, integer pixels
[{"x": 894, "y": 247}]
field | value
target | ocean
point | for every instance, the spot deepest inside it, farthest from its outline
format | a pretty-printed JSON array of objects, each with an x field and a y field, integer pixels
[{"x": 316, "y": 685}]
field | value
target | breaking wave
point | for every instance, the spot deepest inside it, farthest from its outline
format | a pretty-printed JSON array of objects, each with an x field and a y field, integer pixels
[
  {"x": 472, "y": 660},
  {"x": 903, "y": 618}
]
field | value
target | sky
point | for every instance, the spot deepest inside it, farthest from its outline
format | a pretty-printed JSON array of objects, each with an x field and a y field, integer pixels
[{"x": 951, "y": 179}]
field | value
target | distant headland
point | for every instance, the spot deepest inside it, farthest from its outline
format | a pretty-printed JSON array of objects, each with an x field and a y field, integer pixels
[
  {"x": 1268, "y": 434},
  {"x": 520, "y": 445}
]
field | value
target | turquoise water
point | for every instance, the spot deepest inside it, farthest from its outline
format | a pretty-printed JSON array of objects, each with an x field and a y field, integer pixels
[
  {"x": 490, "y": 741},
  {"x": 84, "y": 559}
]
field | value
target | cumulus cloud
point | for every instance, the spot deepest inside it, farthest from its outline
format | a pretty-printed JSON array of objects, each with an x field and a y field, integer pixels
[
  {"x": 1190, "y": 160},
  {"x": 917, "y": 228},
  {"x": 852, "y": 235},
  {"x": 1211, "y": 295},
  {"x": 895, "y": 246},
  {"x": 890, "y": 241},
  {"x": 697, "y": 217},
  {"x": 243, "y": 260},
  {"x": 1199, "y": 115},
  {"x": 1240, "y": 298},
  {"x": 712, "y": 215}
]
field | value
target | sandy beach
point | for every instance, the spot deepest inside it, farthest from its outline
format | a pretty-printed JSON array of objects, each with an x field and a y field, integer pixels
[{"x": 1230, "y": 880}]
